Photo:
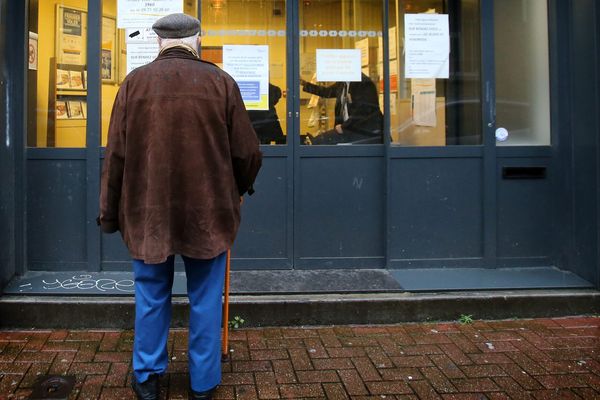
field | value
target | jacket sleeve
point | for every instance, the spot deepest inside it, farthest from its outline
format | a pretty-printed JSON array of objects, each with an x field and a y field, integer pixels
[
  {"x": 246, "y": 157},
  {"x": 328, "y": 92},
  {"x": 366, "y": 116},
  {"x": 113, "y": 166}
]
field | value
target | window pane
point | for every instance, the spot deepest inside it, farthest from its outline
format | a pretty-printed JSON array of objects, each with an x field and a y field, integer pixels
[
  {"x": 57, "y": 75},
  {"x": 425, "y": 109},
  {"x": 115, "y": 64},
  {"x": 252, "y": 26},
  {"x": 522, "y": 72},
  {"x": 340, "y": 52}
]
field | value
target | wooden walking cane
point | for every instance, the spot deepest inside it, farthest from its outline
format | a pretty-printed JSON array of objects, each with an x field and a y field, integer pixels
[{"x": 225, "y": 341}]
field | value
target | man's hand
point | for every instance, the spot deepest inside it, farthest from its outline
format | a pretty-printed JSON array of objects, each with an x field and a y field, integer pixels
[
  {"x": 338, "y": 129},
  {"x": 241, "y": 200}
]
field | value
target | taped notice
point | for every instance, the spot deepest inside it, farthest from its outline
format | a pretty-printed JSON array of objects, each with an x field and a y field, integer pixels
[
  {"x": 427, "y": 46},
  {"x": 423, "y": 102}
]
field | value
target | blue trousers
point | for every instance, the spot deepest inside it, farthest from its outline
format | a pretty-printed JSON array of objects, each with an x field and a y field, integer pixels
[{"x": 153, "y": 285}]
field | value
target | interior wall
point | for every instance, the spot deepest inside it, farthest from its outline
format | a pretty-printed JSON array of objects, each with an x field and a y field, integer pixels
[
  {"x": 109, "y": 91},
  {"x": 46, "y": 50}
]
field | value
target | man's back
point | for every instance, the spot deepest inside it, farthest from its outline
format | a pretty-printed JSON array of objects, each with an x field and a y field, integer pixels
[{"x": 190, "y": 152}]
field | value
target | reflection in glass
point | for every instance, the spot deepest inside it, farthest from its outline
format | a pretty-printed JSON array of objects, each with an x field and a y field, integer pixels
[
  {"x": 522, "y": 72},
  {"x": 255, "y": 23},
  {"x": 336, "y": 108},
  {"x": 57, "y": 74},
  {"x": 434, "y": 111}
]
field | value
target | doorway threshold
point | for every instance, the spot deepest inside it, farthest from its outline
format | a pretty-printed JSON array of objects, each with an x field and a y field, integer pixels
[
  {"x": 262, "y": 282},
  {"x": 450, "y": 279},
  {"x": 269, "y": 282}
]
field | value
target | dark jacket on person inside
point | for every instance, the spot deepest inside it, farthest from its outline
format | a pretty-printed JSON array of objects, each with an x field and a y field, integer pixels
[
  {"x": 364, "y": 115},
  {"x": 266, "y": 122}
]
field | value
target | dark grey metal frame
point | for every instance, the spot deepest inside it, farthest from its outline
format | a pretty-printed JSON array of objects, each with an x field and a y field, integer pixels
[
  {"x": 492, "y": 157},
  {"x": 14, "y": 121}
]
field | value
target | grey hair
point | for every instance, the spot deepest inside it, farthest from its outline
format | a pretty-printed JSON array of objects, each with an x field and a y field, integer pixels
[{"x": 190, "y": 41}]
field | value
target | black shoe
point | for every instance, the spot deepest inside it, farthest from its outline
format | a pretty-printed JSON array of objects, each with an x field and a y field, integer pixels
[
  {"x": 207, "y": 395},
  {"x": 148, "y": 390}
]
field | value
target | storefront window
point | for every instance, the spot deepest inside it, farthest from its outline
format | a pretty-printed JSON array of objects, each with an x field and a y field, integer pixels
[
  {"x": 435, "y": 64},
  {"x": 248, "y": 40},
  {"x": 522, "y": 72},
  {"x": 341, "y": 79},
  {"x": 57, "y": 74},
  {"x": 116, "y": 63}
]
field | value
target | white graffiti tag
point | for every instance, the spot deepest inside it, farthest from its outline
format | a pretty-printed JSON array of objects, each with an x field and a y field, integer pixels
[{"x": 87, "y": 282}]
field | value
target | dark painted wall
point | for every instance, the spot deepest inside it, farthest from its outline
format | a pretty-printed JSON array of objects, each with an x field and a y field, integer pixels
[
  {"x": 7, "y": 164},
  {"x": 584, "y": 129},
  {"x": 598, "y": 144},
  {"x": 12, "y": 57}
]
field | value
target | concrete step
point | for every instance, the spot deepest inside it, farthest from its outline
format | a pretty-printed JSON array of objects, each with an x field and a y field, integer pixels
[{"x": 71, "y": 312}]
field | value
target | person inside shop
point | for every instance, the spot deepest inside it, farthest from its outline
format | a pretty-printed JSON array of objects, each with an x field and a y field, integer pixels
[
  {"x": 266, "y": 122},
  {"x": 181, "y": 154},
  {"x": 358, "y": 118}
]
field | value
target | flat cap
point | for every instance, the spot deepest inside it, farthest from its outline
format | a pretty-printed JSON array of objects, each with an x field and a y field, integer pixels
[{"x": 175, "y": 26}]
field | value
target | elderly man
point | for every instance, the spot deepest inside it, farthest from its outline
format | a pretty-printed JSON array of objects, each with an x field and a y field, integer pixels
[{"x": 181, "y": 152}]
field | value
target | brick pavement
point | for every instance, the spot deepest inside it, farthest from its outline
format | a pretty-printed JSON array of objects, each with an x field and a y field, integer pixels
[{"x": 514, "y": 359}]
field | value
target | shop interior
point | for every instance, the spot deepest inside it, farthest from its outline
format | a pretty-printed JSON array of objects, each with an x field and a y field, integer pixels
[{"x": 58, "y": 78}]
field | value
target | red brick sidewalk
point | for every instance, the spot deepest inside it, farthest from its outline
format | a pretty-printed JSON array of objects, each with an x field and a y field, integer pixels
[{"x": 517, "y": 359}]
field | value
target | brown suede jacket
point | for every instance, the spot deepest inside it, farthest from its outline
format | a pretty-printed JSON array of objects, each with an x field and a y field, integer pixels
[{"x": 181, "y": 151}]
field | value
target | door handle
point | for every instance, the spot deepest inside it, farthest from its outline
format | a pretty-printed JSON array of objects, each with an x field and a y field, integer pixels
[{"x": 491, "y": 102}]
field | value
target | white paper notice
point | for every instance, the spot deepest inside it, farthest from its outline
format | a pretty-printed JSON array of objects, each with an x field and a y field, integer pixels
[
  {"x": 338, "y": 65},
  {"x": 141, "y": 49},
  {"x": 249, "y": 66},
  {"x": 393, "y": 43},
  {"x": 427, "y": 45},
  {"x": 143, "y": 13},
  {"x": 423, "y": 102}
]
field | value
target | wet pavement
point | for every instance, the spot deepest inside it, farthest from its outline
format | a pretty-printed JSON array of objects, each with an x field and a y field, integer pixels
[{"x": 554, "y": 358}]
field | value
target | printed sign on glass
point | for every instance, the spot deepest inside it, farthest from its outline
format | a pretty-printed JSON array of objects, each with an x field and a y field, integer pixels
[
  {"x": 141, "y": 49},
  {"x": 427, "y": 46},
  {"x": 249, "y": 66},
  {"x": 143, "y": 13},
  {"x": 338, "y": 65}
]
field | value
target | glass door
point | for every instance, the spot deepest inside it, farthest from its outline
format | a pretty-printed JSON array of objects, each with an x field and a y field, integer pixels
[
  {"x": 248, "y": 40},
  {"x": 339, "y": 169},
  {"x": 341, "y": 72}
]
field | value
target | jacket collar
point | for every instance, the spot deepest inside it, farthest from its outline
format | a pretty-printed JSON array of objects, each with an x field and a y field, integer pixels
[{"x": 177, "y": 51}]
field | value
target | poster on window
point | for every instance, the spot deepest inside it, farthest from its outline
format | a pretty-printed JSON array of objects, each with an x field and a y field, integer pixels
[
  {"x": 338, "y": 65},
  {"x": 71, "y": 36},
  {"x": 423, "y": 102},
  {"x": 427, "y": 46},
  {"x": 142, "y": 47},
  {"x": 143, "y": 13},
  {"x": 109, "y": 50},
  {"x": 249, "y": 66},
  {"x": 33, "y": 51}
]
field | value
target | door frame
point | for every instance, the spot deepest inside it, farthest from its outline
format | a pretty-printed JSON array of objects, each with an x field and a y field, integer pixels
[{"x": 294, "y": 151}]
